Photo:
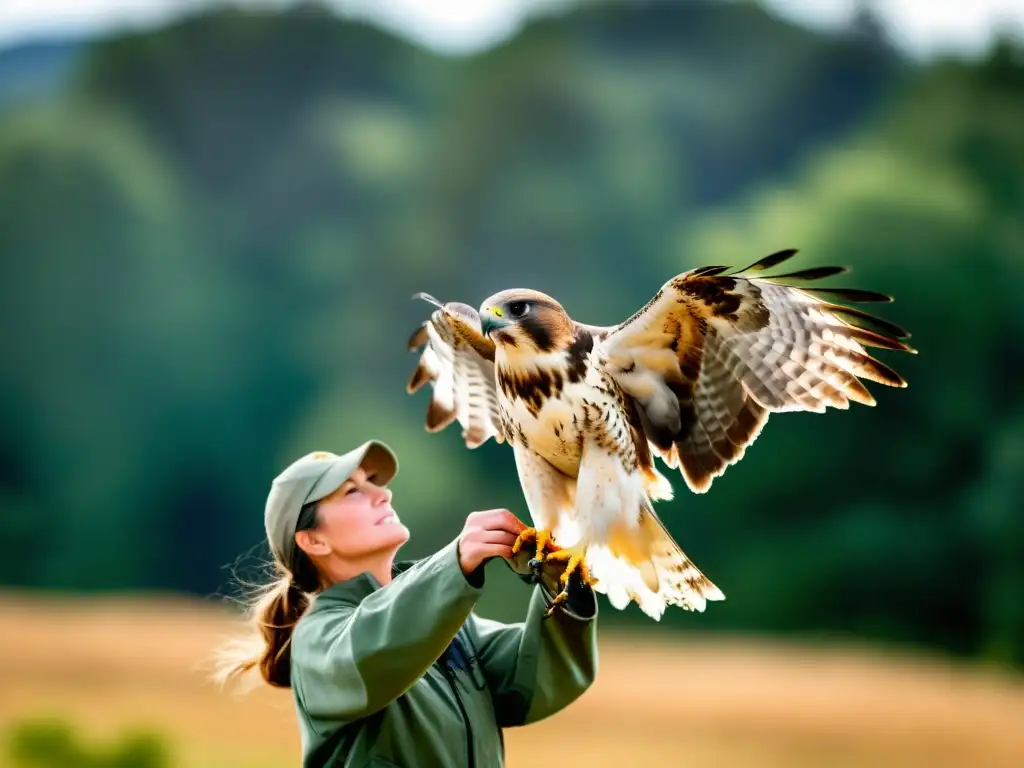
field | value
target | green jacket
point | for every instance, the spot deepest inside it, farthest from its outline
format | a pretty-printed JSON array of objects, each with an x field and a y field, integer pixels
[{"x": 407, "y": 675}]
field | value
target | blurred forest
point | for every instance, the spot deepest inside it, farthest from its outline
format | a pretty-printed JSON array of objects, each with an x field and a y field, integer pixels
[{"x": 210, "y": 235}]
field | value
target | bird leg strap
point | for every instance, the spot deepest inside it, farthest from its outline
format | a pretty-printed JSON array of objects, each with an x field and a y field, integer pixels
[{"x": 544, "y": 545}]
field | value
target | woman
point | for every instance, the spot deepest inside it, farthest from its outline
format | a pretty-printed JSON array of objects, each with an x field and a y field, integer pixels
[{"x": 387, "y": 663}]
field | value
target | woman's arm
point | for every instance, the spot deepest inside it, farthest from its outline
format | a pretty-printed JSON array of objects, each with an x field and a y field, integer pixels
[
  {"x": 349, "y": 661},
  {"x": 541, "y": 665},
  {"x": 354, "y": 658}
]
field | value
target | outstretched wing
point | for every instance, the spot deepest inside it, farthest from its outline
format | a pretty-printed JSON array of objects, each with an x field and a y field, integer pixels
[
  {"x": 458, "y": 361},
  {"x": 714, "y": 352}
]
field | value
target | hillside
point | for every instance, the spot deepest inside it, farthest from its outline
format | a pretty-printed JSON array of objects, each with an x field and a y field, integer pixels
[{"x": 210, "y": 234}]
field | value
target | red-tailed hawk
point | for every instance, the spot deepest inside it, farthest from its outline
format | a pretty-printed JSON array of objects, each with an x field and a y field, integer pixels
[{"x": 691, "y": 377}]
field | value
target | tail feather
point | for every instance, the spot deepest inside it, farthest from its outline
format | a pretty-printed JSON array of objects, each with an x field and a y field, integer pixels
[
  {"x": 643, "y": 563},
  {"x": 628, "y": 550}
]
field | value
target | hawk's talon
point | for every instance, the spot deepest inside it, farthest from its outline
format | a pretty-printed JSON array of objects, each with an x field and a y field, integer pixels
[
  {"x": 575, "y": 564},
  {"x": 561, "y": 597}
]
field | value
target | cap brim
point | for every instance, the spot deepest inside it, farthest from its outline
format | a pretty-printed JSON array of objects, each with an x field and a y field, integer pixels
[
  {"x": 377, "y": 460},
  {"x": 380, "y": 462}
]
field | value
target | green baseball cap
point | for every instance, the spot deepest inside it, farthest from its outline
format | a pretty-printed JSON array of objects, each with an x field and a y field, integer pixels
[{"x": 313, "y": 477}]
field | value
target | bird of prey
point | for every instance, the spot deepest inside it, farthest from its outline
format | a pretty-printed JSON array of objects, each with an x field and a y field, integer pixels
[{"x": 691, "y": 377}]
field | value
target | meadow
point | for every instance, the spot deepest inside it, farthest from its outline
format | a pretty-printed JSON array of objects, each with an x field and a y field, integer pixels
[{"x": 110, "y": 664}]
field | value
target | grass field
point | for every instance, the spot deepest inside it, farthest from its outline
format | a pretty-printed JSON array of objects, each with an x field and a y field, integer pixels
[{"x": 109, "y": 665}]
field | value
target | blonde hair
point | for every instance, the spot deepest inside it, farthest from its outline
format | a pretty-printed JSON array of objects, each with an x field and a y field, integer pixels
[{"x": 272, "y": 613}]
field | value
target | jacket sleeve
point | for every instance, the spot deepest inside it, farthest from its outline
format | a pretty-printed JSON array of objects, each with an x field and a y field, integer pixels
[
  {"x": 350, "y": 662},
  {"x": 541, "y": 665}
]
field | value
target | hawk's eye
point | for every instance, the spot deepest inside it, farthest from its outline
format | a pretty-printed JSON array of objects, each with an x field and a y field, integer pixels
[{"x": 518, "y": 308}]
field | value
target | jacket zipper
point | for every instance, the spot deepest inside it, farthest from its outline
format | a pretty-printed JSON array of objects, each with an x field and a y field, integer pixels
[{"x": 450, "y": 677}]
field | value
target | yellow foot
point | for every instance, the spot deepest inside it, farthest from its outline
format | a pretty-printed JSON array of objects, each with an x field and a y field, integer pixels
[
  {"x": 575, "y": 563},
  {"x": 541, "y": 537}
]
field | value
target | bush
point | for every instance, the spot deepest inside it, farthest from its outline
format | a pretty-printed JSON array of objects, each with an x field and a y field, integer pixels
[{"x": 53, "y": 743}]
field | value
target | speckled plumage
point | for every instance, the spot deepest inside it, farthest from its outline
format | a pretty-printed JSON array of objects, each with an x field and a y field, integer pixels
[{"x": 690, "y": 377}]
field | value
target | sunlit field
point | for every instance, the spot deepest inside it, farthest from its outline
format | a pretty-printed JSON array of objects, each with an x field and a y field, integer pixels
[{"x": 108, "y": 665}]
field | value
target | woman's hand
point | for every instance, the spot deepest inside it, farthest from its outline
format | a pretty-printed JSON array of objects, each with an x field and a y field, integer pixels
[{"x": 487, "y": 534}]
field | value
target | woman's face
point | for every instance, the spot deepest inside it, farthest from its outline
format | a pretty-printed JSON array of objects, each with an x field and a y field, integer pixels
[{"x": 356, "y": 522}]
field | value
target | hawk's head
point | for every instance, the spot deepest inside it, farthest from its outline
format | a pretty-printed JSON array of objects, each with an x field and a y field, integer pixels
[{"x": 526, "y": 321}]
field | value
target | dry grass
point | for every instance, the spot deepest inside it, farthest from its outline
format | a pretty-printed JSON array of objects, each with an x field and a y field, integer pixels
[{"x": 112, "y": 664}]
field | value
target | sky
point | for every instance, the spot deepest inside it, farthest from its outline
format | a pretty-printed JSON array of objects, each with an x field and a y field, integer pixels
[{"x": 922, "y": 28}]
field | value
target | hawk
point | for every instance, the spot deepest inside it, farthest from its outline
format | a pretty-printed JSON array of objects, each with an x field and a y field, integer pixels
[{"x": 691, "y": 378}]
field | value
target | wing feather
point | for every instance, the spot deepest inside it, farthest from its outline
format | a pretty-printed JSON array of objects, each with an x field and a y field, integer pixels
[
  {"x": 712, "y": 355},
  {"x": 458, "y": 361}
]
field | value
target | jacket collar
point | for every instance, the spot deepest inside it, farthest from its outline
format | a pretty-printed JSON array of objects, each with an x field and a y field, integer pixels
[{"x": 353, "y": 591}]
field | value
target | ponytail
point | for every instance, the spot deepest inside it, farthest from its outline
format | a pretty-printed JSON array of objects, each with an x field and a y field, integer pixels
[{"x": 273, "y": 612}]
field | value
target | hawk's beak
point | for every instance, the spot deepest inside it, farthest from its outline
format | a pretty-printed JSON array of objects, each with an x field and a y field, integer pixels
[{"x": 491, "y": 320}]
